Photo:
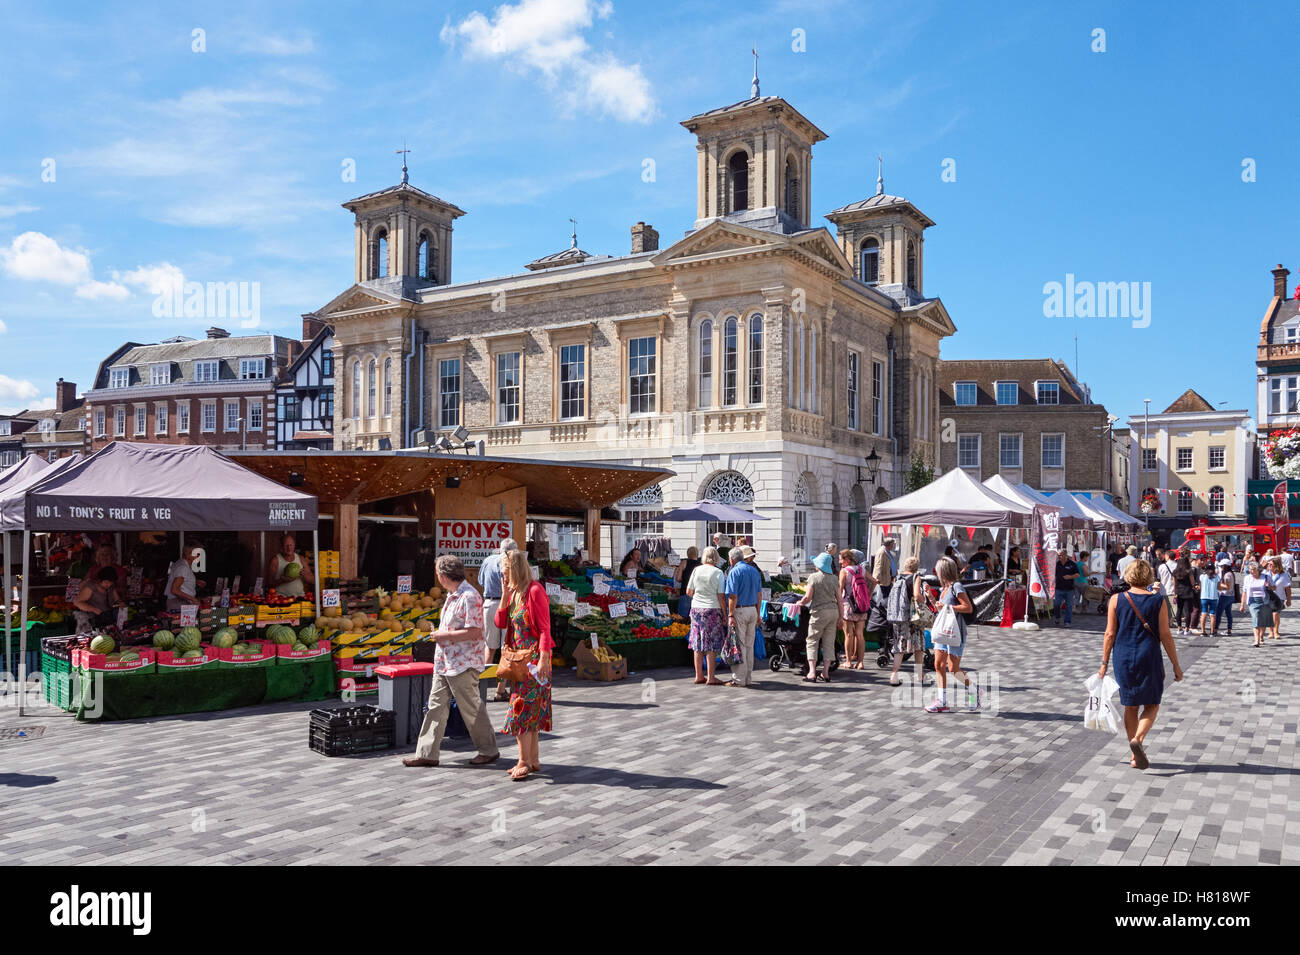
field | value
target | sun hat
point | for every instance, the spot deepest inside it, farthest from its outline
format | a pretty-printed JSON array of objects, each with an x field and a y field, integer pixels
[{"x": 823, "y": 563}]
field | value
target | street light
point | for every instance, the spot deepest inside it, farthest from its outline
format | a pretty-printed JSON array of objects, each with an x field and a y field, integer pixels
[{"x": 873, "y": 468}]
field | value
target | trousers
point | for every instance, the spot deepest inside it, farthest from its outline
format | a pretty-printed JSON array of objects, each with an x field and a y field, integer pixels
[
  {"x": 746, "y": 624},
  {"x": 463, "y": 688}
]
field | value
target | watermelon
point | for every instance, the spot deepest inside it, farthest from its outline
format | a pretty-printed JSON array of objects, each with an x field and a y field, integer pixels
[
  {"x": 102, "y": 644},
  {"x": 188, "y": 639},
  {"x": 281, "y": 634},
  {"x": 309, "y": 634},
  {"x": 225, "y": 637},
  {"x": 164, "y": 639},
  {"x": 240, "y": 648},
  {"x": 130, "y": 656},
  {"x": 191, "y": 654},
  {"x": 293, "y": 570}
]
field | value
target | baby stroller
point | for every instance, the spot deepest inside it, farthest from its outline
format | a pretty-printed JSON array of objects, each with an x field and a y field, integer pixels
[
  {"x": 787, "y": 639},
  {"x": 885, "y": 659}
]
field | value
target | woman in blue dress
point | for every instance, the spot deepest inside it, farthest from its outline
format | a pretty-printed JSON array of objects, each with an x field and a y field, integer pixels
[{"x": 1137, "y": 627}]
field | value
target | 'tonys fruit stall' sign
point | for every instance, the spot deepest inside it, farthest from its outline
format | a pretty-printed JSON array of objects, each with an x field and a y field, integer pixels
[{"x": 471, "y": 540}]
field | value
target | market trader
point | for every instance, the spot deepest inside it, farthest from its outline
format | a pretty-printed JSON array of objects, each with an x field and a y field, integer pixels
[
  {"x": 96, "y": 600},
  {"x": 743, "y": 587},
  {"x": 289, "y": 586}
]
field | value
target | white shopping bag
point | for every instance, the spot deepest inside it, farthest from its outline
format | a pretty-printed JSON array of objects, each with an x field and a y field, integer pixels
[
  {"x": 1097, "y": 712},
  {"x": 946, "y": 628}
]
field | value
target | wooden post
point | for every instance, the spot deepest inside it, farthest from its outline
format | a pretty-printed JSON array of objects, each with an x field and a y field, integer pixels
[
  {"x": 593, "y": 535},
  {"x": 348, "y": 515}
]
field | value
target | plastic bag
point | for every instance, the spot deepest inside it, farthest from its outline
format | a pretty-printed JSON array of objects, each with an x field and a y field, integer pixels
[
  {"x": 946, "y": 628},
  {"x": 730, "y": 653},
  {"x": 1098, "y": 714}
]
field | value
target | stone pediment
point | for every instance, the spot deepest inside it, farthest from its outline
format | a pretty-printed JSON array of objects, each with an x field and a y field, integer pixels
[
  {"x": 355, "y": 299},
  {"x": 722, "y": 239}
]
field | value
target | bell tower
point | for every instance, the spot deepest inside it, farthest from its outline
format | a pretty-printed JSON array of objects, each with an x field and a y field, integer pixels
[
  {"x": 884, "y": 237},
  {"x": 403, "y": 232},
  {"x": 754, "y": 163}
]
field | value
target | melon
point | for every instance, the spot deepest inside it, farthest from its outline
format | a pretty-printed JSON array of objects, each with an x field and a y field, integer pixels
[
  {"x": 225, "y": 637},
  {"x": 293, "y": 570},
  {"x": 130, "y": 656},
  {"x": 309, "y": 634},
  {"x": 239, "y": 649},
  {"x": 302, "y": 648},
  {"x": 188, "y": 639},
  {"x": 164, "y": 639},
  {"x": 102, "y": 644},
  {"x": 191, "y": 654},
  {"x": 281, "y": 634}
]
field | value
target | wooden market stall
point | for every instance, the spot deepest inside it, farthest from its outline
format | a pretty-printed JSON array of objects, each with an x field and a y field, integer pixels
[{"x": 450, "y": 488}]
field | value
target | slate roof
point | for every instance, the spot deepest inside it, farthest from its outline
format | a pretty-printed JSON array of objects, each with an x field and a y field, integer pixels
[
  {"x": 408, "y": 189},
  {"x": 1188, "y": 402}
]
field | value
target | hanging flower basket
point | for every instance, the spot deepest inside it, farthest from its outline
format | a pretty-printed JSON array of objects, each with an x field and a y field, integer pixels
[
  {"x": 1150, "y": 503},
  {"x": 1282, "y": 453}
]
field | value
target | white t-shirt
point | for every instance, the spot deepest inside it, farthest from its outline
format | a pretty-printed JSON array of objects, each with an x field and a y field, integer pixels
[
  {"x": 180, "y": 569},
  {"x": 1287, "y": 560},
  {"x": 1280, "y": 582},
  {"x": 706, "y": 581},
  {"x": 1122, "y": 564}
]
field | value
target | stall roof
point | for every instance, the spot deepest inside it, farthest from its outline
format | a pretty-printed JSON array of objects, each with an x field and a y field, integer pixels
[
  {"x": 13, "y": 494},
  {"x": 955, "y": 498},
  {"x": 130, "y": 486},
  {"x": 356, "y": 477},
  {"x": 1106, "y": 507},
  {"x": 22, "y": 471},
  {"x": 1070, "y": 507}
]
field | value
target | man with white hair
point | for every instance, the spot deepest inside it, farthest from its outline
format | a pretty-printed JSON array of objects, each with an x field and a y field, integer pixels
[
  {"x": 1130, "y": 555},
  {"x": 489, "y": 578}
]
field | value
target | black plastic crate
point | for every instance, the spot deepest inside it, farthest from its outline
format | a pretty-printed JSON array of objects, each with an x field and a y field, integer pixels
[{"x": 350, "y": 730}]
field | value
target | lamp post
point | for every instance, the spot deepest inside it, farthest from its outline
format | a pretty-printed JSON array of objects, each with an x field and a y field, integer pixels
[
  {"x": 873, "y": 468},
  {"x": 1146, "y": 427}
]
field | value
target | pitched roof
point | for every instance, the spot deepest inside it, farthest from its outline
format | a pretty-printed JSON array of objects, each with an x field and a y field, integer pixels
[
  {"x": 1188, "y": 401},
  {"x": 404, "y": 189},
  {"x": 237, "y": 346},
  {"x": 879, "y": 202}
]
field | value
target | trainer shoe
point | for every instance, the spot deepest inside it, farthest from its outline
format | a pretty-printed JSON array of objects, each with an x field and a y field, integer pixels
[{"x": 937, "y": 707}]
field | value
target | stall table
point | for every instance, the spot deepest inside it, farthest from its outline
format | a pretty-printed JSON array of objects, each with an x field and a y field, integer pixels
[{"x": 1013, "y": 608}]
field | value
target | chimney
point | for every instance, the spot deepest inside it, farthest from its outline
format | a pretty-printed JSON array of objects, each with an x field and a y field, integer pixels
[
  {"x": 311, "y": 326},
  {"x": 215, "y": 332},
  {"x": 65, "y": 395},
  {"x": 644, "y": 238},
  {"x": 1279, "y": 281}
]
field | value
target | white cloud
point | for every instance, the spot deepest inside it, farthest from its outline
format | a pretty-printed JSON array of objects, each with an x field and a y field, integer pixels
[
  {"x": 547, "y": 36},
  {"x": 35, "y": 257},
  {"x": 96, "y": 290},
  {"x": 19, "y": 395},
  {"x": 154, "y": 279},
  {"x": 16, "y": 210},
  {"x": 280, "y": 45},
  {"x": 3, "y": 328}
]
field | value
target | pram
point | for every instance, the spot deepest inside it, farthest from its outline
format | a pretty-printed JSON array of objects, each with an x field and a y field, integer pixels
[
  {"x": 885, "y": 659},
  {"x": 787, "y": 639}
]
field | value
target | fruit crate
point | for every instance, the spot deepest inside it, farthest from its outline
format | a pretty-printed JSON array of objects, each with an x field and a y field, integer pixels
[
  {"x": 56, "y": 680},
  {"x": 351, "y": 730},
  {"x": 36, "y": 631}
]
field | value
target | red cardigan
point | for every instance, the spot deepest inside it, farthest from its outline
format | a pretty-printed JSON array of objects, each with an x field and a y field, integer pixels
[{"x": 537, "y": 610}]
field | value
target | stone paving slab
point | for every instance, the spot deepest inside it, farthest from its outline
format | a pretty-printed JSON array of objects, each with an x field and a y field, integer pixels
[{"x": 657, "y": 770}]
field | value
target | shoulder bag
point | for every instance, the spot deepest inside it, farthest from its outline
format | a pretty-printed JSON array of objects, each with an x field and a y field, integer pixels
[
  {"x": 514, "y": 661},
  {"x": 1145, "y": 626}
]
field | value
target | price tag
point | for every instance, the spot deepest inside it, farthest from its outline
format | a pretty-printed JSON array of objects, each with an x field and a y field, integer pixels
[
  {"x": 595, "y": 642},
  {"x": 582, "y": 610},
  {"x": 674, "y": 559},
  {"x": 403, "y": 583},
  {"x": 134, "y": 581},
  {"x": 552, "y": 590},
  {"x": 329, "y": 598},
  {"x": 661, "y": 610},
  {"x": 600, "y": 587},
  {"x": 221, "y": 585},
  {"x": 537, "y": 572},
  {"x": 234, "y": 586},
  {"x": 225, "y": 597},
  {"x": 121, "y": 617},
  {"x": 189, "y": 615},
  {"x": 74, "y": 588},
  {"x": 568, "y": 598},
  {"x": 257, "y": 587},
  {"x": 617, "y": 610},
  {"x": 766, "y": 593}
]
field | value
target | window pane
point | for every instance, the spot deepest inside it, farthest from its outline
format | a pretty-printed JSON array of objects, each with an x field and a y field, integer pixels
[
  {"x": 449, "y": 393},
  {"x": 730, "y": 360},
  {"x": 877, "y": 397},
  {"x": 1048, "y": 392},
  {"x": 964, "y": 392},
  {"x": 641, "y": 376},
  {"x": 1053, "y": 450},
  {"x": 573, "y": 381},
  {"x": 1009, "y": 450},
  {"x": 705, "y": 393},
  {"x": 1008, "y": 393},
  {"x": 853, "y": 391},
  {"x": 755, "y": 359},
  {"x": 968, "y": 450},
  {"x": 508, "y": 388}
]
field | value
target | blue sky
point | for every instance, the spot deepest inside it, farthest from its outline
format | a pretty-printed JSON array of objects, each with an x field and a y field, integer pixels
[{"x": 226, "y": 164}]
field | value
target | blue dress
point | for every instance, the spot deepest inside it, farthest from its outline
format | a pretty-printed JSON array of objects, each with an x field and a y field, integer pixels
[{"x": 1137, "y": 657}]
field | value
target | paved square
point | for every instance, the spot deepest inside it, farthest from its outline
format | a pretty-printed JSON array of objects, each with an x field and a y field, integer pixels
[{"x": 656, "y": 769}]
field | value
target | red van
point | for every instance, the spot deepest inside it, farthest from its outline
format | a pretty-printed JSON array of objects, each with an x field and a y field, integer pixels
[{"x": 1233, "y": 538}]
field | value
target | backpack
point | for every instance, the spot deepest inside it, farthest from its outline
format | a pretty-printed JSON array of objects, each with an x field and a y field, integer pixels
[
  {"x": 899, "y": 607},
  {"x": 859, "y": 592}
]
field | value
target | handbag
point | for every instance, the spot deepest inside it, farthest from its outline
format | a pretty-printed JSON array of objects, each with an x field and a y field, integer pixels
[
  {"x": 514, "y": 661},
  {"x": 1097, "y": 712}
]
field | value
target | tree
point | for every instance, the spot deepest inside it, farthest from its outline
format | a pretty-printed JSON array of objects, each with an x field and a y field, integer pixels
[{"x": 919, "y": 475}]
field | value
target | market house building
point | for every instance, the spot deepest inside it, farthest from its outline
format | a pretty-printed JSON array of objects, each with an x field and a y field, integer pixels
[
  {"x": 217, "y": 391},
  {"x": 1030, "y": 420},
  {"x": 760, "y": 357},
  {"x": 1197, "y": 459}
]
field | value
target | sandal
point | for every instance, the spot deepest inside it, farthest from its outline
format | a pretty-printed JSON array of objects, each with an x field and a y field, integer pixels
[
  {"x": 519, "y": 776},
  {"x": 810, "y": 679},
  {"x": 714, "y": 682},
  {"x": 822, "y": 679},
  {"x": 1139, "y": 755}
]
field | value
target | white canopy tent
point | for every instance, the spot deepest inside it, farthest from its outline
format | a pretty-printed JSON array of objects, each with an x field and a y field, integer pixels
[
  {"x": 1101, "y": 520},
  {"x": 1106, "y": 507}
]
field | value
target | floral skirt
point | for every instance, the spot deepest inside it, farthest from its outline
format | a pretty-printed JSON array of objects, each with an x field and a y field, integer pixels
[
  {"x": 530, "y": 708},
  {"x": 906, "y": 637},
  {"x": 848, "y": 613},
  {"x": 708, "y": 631}
]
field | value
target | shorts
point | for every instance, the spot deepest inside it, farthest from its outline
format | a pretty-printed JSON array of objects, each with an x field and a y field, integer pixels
[
  {"x": 952, "y": 649},
  {"x": 1209, "y": 606},
  {"x": 491, "y": 632}
]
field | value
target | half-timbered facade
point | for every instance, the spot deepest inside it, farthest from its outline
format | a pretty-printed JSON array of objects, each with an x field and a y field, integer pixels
[{"x": 304, "y": 416}]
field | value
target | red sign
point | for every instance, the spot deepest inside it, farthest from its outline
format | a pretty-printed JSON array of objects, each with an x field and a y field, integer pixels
[
  {"x": 471, "y": 540},
  {"x": 1281, "y": 518}
]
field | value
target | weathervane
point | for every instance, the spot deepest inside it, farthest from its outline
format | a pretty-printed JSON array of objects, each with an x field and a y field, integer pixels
[
  {"x": 880, "y": 175},
  {"x": 573, "y": 239},
  {"x": 402, "y": 152},
  {"x": 753, "y": 89}
]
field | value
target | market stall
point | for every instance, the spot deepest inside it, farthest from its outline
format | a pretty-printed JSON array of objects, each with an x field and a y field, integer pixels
[{"x": 211, "y": 660}]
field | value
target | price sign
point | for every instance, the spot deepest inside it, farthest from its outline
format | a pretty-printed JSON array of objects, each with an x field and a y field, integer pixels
[
  {"x": 234, "y": 586},
  {"x": 661, "y": 610},
  {"x": 674, "y": 559},
  {"x": 537, "y": 572},
  {"x": 121, "y": 617},
  {"x": 190, "y": 615},
  {"x": 133, "y": 585},
  {"x": 403, "y": 583},
  {"x": 568, "y": 598},
  {"x": 257, "y": 587},
  {"x": 600, "y": 586},
  {"x": 74, "y": 588},
  {"x": 617, "y": 610},
  {"x": 582, "y": 610},
  {"x": 552, "y": 590},
  {"x": 766, "y": 593},
  {"x": 225, "y": 597},
  {"x": 595, "y": 642},
  {"x": 221, "y": 585},
  {"x": 329, "y": 598}
]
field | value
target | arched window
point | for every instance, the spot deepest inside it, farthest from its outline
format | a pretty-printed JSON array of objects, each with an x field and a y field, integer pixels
[
  {"x": 869, "y": 261},
  {"x": 800, "y": 356},
  {"x": 427, "y": 258},
  {"x": 388, "y": 387},
  {"x": 911, "y": 264},
  {"x": 738, "y": 181},
  {"x": 814, "y": 398},
  {"x": 792, "y": 188},
  {"x": 802, "y": 501},
  {"x": 356, "y": 389},
  {"x": 641, "y": 511},
  {"x": 730, "y": 487},
  {"x": 1216, "y": 500},
  {"x": 730, "y": 360},
  {"x": 755, "y": 359},
  {"x": 705, "y": 396},
  {"x": 370, "y": 389},
  {"x": 379, "y": 255},
  {"x": 791, "y": 359}
]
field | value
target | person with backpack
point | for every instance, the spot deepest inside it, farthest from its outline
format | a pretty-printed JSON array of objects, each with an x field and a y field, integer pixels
[
  {"x": 947, "y": 656},
  {"x": 907, "y": 637},
  {"x": 855, "y": 604}
]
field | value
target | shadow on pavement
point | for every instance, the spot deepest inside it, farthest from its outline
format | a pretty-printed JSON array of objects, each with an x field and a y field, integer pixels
[
  {"x": 604, "y": 776},
  {"x": 1249, "y": 769},
  {"x": 24, "y": 781},
  {"x": 597, "y": 705}
]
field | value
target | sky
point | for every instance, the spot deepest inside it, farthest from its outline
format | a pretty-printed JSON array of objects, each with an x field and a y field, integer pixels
[{"x": 1111, "y": 142}]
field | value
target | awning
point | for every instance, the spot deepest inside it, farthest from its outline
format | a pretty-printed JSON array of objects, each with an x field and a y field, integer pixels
[
  {"x": 13, "y": 495},
  {"x": 955, "y": 498}
]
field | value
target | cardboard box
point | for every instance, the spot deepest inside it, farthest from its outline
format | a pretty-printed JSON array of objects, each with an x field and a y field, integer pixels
[
  {"x": 170, "y": 659},
  {"x": 241, "y": 619},
  {"x": 589, "y": 668},
  {"x": 287, "y": 654},
  {"x": 264, "y": 656},
  {"x": 85, "y": 660}
]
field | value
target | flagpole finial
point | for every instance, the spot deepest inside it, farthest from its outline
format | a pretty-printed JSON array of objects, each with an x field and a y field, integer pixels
[
  {"x": 880, "y": 175},
  {"x": 753, "y": 89},
  {"x": 402, "y": 152},
  {"x": 573, "y": 238}
]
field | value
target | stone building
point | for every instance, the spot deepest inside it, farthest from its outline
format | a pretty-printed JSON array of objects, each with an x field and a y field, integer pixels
[
  {"x": 1029, "y": 420},
  {"x": 1277, "y": 360},
  {"x": 753, "y": 356},
  {"x": 52, "y": 433}
]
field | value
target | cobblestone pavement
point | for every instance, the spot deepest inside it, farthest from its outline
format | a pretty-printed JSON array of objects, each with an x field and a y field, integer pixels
[{"x": 656, "y": 769}]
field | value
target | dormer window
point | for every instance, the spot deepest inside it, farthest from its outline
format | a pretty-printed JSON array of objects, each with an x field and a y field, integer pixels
[
  {"x": 869, "y": 261},
  {"x": 252, "y": 368},
  {"x": 205, "y": 371},
  {"x": 1049, "y": 392},
  {"x": 119, "y": 377},
  {"x": 738, "y": 181},
  {"x": 160, "y": 374},
  {"x": 45, "y": 425}
]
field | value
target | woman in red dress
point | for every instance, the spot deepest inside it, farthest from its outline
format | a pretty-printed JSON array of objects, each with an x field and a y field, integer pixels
[{"x": 525, "y": 617}]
